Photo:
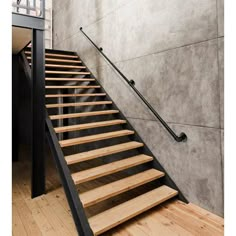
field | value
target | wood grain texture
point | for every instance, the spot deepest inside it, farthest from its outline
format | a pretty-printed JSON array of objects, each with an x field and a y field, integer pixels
[
  {"x": 78, "y": 104},
  {"x": 55, "y": 55},
  {"x": 83, "y": 114},
  {"x": 91, "y": 125},
  {"x": 94, "y": 138},
  {"x": 85, "y": 156},
  {"x": 70, "y": 79},
  {"x": 72, "y": 61},
  {"x": 75, "y": 95},
  {"x": 107, "y": 169},
  {"x": 64, "y": 66},
  {"x": 72, "y": 86},
  {"x": 123, "y": 212},
  {"x": 109, "y": 190},
  {"x": 67, "y": 72}
]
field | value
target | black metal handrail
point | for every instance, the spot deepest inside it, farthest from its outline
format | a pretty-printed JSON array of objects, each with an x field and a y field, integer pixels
[{"x": 182, "y": 137}]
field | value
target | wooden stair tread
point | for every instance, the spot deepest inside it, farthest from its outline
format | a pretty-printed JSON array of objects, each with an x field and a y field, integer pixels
[
  {"x": 95, "y": 137},
  {"x": 55, "y": 55},
  {"x": 69, "y": 79},
  {"x": 75, "y": 95},
  {"x": 77, "y": 104},
  {"x": 72, "y": 86},
  {"x": 59, "y": 60},
  {"x": 67, "y": 72},
  {"x": 100, "y": 152},
  {"x": 99, "y": 194},
  {"x": 91, "y": 125},
  {"x": 125, "y": 211},
  {"x": 83, "y": 114},
  {"x": 65, "y": 66},
  {"x": 107, "y": 169}
]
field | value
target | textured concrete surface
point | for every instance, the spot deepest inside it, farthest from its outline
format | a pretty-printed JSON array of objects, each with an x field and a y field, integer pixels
[
  {"x": 220, "y": 9},
  {"x": 174, "y": 52},
  {"x": 221, "y": 78}
]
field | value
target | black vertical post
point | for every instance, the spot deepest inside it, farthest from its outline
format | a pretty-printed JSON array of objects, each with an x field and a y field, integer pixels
[
  {"x": 38, "y": 114},
  {"x": 15, "y": 105}
]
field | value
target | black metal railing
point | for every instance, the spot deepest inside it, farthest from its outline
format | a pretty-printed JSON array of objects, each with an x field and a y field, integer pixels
[
  {"x": 30, "y": 7},
  {"x": 182, "y": 137}
]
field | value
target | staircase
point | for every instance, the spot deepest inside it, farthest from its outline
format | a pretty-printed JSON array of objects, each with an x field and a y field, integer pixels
[{"x": 84, "y": 125}]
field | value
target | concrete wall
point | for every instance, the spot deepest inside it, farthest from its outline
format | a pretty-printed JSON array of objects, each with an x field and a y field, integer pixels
[
  {"x": 48, "y": 24},
  {"x": 173, "y": 50}
]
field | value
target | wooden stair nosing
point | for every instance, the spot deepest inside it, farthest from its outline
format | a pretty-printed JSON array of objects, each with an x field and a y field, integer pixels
[
  {"x": 94, "y": 138},
  {"x": 100, "y": 152},
  {"x": 119, "y": 214},
  {"x": 69, "y": 79},
  {"x": 78, "y": 104},
  {"x": 104, "y": 192},
  {"x": 72, "y": 86},
  {"x": 75, "y": 95},
  {"x": 67, "y": 72},
  {"x": 83, "y": 114},
  {"x": 56, "y": 55},
  {"x": 60, "y": 60},
  {"x": 91, "y": 125},
  {"x": 107, "y": 169},
  {"x": 65, "y": 66}
]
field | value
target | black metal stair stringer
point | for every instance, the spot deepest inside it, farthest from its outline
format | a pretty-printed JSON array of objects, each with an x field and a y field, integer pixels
[
  {"x": 78, "y": 213},
  {"x": 76, "y": 206}
]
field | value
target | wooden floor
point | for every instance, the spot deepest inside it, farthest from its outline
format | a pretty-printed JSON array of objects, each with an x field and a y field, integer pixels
[{"x": 50, "y": 214}]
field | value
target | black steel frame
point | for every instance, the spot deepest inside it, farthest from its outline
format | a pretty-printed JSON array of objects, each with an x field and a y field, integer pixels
[
  {"x": 38, "y": 113},
  {"x": 72, "y": 195},
  {"x": 37, "y": 84},
  {"x": 36, "y": 78},
  {"x": 74, "y": 202},
  {"x": 182, "y": 137}
]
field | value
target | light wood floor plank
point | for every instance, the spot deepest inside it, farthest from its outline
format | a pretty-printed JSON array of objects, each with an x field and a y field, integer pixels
[
  {"x": 18, "y": 228},
  {"x": 189, "y": 223}
]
